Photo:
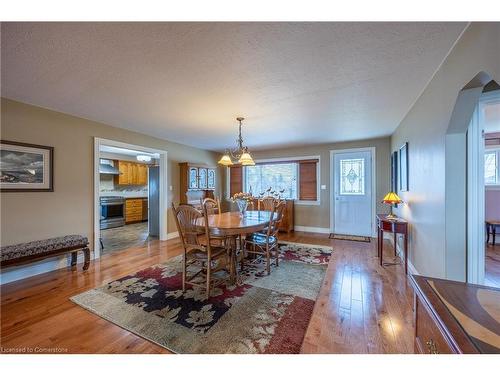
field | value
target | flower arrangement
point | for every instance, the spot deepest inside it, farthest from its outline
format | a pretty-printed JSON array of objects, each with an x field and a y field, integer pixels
[
  {"x": 242, "y": 196},
  {"x": 242, "y": 200}
]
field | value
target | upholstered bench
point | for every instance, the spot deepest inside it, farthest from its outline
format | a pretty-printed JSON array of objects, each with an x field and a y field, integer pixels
[{"x": 27, "y": 252}]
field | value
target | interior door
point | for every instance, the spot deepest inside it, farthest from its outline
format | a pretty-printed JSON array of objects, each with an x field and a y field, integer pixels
[{"x": 353, "y": 193}]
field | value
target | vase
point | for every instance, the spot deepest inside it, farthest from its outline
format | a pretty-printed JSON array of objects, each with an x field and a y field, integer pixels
[{"x": 242, "y": 205}]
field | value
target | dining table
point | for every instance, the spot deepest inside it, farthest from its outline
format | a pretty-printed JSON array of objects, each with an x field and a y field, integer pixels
[{"x": 234, "y": 225}]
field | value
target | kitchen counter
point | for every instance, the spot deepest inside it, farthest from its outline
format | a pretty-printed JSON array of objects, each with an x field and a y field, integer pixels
[{"x": 127, "y": 194}]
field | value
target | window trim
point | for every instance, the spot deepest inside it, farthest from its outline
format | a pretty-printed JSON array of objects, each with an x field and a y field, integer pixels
[
  {"x": 291, "y": 159},
  {"x": 496, "y": 149}
]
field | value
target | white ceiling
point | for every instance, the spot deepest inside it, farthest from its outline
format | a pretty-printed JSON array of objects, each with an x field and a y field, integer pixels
[
  {"x": 296, "y": 83},
  {"x": 126, "y": 151}
]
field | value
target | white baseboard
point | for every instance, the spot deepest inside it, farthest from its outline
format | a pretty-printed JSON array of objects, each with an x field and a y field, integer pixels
[
  {"x": 172, "y": 235},
  {"x": 15, "y": 273},
  {"x": 411, "y": 268},
  {"x": 300, "y": 228}
]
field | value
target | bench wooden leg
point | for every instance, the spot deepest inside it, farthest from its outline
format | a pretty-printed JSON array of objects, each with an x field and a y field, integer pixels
[
  {"x": 86, "y": 255},
  {"x": 73, "y": 258}
]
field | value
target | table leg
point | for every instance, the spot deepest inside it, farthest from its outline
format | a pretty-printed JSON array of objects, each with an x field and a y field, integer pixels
[
  {"x": 378, "y": 241},
  {"x": 494, "y": 233},
  {"x": 406, "y": 254},
  {"x": 487, "y": 233},
  {"x": 381, "y": 246},
  {"x": 395, "y": 240}
]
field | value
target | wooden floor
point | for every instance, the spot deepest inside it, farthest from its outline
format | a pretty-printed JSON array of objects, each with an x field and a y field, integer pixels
[
  {"x": 492, "y": 268},
  {"x": 362, "y": 307}
]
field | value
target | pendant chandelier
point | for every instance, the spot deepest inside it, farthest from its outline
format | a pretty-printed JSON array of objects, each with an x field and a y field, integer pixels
[{"x": 238, "y": 155}]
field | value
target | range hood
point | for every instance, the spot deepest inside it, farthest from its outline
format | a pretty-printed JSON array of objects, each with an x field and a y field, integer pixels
[{"x": 108, "y": 169}]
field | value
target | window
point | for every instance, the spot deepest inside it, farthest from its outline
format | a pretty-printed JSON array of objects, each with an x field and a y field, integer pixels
[
  {"x": 352, "y": 178},
  {"x": 491, "y": 172},
  {"x": 281, "y": 178},
  {"x": 292, "y": 179}
]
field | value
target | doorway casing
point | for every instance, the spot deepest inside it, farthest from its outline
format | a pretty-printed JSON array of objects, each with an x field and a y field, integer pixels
[
  {"x": 98, "y": 142},
  {"x": 373, "y": 187}
]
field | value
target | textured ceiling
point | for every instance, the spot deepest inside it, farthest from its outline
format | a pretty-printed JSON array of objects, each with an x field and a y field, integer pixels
[{"x": 296, "y": 83}]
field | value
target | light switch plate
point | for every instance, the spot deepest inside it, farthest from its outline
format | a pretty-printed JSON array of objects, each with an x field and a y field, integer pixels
[
  {"x": 170, "y": 188},
  {"x": 323, "y": 187}
]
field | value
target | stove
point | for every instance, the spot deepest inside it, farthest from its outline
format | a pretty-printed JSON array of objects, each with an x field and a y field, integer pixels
[{"x": 112, "y": 212}]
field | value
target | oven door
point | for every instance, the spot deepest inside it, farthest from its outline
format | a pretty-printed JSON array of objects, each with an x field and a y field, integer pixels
[{"x": 112, "y": 215}]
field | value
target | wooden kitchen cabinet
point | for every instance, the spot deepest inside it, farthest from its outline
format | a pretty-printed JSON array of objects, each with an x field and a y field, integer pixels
[
  {"x": 131, "y": 173},
  {"x": 134, "y": 210}
]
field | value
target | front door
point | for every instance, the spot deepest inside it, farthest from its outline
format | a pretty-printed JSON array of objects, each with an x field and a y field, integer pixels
[{"x": 352, "y": 193}]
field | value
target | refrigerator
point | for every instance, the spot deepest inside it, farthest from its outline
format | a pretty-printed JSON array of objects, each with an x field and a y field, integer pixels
[{"x": 154, "y": 201}]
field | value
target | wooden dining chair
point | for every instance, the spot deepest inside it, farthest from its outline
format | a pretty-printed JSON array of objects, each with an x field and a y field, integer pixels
[
  {"x": 213, "y": 205},
  {"x": 208, "y": 257},
  {"x": 264, "y": 244},
  {"x": 266, "y": 203}
]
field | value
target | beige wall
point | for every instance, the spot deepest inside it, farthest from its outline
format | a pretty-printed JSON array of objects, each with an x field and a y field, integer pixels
[
  {"x": 319, "y": 215},
  {"x": 31, "y": 216},
  {"x": 424, "y": 127}
]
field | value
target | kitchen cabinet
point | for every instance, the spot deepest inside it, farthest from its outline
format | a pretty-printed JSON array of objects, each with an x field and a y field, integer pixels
[
  {"x": 196, "y": 182},
  {"x": 131, "y": 173},
  {"x": 135, "y": 210}
]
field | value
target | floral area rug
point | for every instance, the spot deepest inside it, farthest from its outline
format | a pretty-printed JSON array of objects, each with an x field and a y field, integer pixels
[{"x": 260, "y": 314}]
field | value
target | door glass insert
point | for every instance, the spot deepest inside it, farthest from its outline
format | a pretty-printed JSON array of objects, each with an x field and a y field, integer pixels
[{"x": 352, "y": 177}]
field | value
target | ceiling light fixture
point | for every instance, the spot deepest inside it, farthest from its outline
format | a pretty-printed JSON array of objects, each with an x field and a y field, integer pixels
[
  {"x": 239, "y": 155},
  {"x": 143, "y": 158}
]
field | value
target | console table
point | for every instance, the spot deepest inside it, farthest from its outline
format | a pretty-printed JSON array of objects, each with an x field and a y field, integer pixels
[{"x": 397, "y": 225}]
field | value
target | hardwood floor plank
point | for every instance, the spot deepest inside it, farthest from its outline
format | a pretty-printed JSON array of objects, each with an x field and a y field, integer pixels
[{"x": 361, "y": 307}]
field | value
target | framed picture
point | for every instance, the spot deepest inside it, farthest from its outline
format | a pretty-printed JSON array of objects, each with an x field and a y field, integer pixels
[
  {"x": 394, "y": 172},
  {"x": 26, "y": 167},
  {"x": 403, "y": 167}
]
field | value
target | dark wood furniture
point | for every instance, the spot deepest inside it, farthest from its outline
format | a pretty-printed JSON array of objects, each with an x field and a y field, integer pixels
[
  {"x": 396, "y": 226},
  {"x": 491, "y": 228},
  {"x": 197, "y": 182},
  {"x": 455, "y": 317},
  {"x": 28, "y": 252}
]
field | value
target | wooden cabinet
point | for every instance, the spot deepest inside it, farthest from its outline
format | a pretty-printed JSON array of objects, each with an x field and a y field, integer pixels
[
  {"x": 131, "y": 173},
  {"x": 288, "y": 217},
  {"x": 135, "y": 209},
  {"x": 452, "y": 317},
  {"x": 196, "y": 182}
]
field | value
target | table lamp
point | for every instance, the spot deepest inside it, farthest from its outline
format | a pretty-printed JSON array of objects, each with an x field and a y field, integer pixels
[{"x": 391, "y": 198}]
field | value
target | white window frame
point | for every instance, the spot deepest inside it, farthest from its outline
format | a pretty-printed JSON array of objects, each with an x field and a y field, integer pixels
[
  {"x": 496, "y": 149},
  {"x": 292, "y": 159}
]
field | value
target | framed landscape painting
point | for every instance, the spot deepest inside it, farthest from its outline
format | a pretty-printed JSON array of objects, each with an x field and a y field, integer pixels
[{"x": 26, "y": 167}]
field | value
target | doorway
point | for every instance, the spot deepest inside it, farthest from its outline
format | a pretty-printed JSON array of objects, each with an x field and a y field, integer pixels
[
  {"x": 484, "y": 191},
  {"x": 352, "y": 204},
  {"x": 129, "y": 195}
]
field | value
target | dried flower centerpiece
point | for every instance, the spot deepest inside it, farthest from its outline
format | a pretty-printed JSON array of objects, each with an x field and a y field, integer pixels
[{"x": 242, "y": 200}]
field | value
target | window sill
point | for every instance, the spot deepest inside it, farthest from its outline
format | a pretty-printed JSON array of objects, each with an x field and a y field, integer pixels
[
  {"x": 307, "y": 203},
  {"x": 492, "y": 187}
]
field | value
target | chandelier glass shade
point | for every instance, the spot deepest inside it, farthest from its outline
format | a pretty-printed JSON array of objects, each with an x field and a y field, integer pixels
[{"x": 238, "y": 155}]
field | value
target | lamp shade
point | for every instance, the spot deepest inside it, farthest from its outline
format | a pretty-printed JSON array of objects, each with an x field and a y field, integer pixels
[
  {"x": 246, "y": 159},
  {"x": 392, "y": 198},
  {"x": 225, "y": 160}
]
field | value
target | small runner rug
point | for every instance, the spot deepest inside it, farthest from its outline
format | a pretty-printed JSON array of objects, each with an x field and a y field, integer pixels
[
  {"x": 347, "y": 237},
  {"x": 260, "y": 314}
]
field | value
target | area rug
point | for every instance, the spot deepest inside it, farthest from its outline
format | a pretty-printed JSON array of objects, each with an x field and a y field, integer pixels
[
  {"x": 259, "y": 314},
  {"x": 347, "y": 237}
]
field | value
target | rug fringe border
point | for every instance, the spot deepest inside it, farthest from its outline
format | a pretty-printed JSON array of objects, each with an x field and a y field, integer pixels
[{"x": 305, "y": 244}]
